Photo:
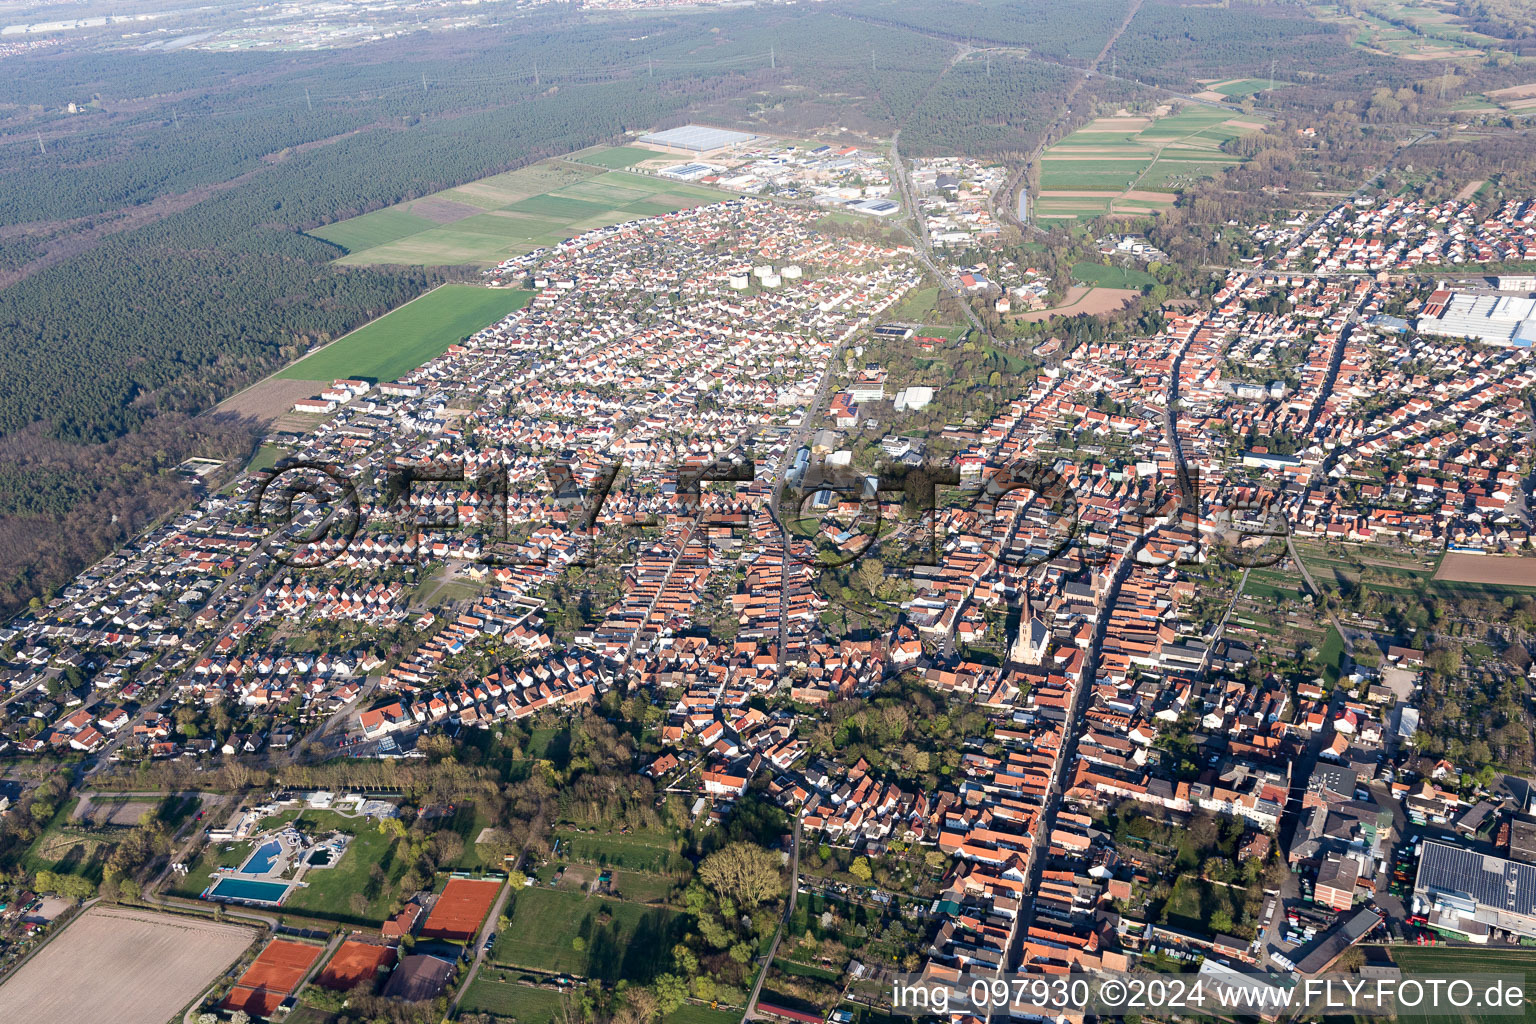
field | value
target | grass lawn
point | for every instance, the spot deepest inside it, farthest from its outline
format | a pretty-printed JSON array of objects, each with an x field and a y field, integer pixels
[
  {"x": 1332, "y": 655},
  {"x": 617, "y": 158},
  {"x": 1111, "y": 277},
  {"x": 329, "y": 891},
  {"x": 200, "y": 871},
  {"x": 638, "y": 851},
  {"x": 265, "y": 458},
  {"x": 406, "y": 337},
  {"x": 527, "y": 1004},
  {"x": 1270, "y": 585},
  {"x": 690, "y": 1013},
  {"x": 919, "y": 307},
  {"x": 642, "y": 886},
  {"x": 1246, "y": 87},
  {"x": 617, "y": 940}
]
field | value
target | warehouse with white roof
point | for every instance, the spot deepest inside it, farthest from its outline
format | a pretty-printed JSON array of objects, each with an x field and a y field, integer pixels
[{"x": 1508, "y": 320}]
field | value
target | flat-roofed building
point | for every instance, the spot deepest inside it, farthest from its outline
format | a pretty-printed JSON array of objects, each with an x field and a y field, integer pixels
[
  {"x": 697, "y": 138},
  {"x": 1467, "y": 892}
]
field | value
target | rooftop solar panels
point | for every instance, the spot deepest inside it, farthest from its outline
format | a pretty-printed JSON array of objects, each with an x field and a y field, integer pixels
[
  {"x": 697, "y": 137},
  {"x": 1490, "y": 881}
]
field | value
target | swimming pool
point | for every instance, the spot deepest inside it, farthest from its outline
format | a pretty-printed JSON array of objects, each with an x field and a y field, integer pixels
[
  {"x": 247, "y": 891},
  {"x": 262, "y": 860}
]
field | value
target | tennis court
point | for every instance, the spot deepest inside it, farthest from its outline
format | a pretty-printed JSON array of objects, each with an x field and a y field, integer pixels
[
  {"x": 272, "y": 977},
  {"x": 354, "y": 963},
  {"x": 460, "y": 909}
]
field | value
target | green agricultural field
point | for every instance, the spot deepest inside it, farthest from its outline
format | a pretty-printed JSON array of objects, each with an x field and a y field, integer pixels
[
  {"x": 1457, "y": 961},
  {"x": 505, "y": 215},
  {"x": 1090, "y": 172},
  {"x": 561, "y": 930},
  {"x": 406, "y": 337},
  {"x": 524, "y": 1003},
  {"x": 1161, "y": 157},
  {"x": 372, "y": 229},
  {"x": 1111, "y": 277}
]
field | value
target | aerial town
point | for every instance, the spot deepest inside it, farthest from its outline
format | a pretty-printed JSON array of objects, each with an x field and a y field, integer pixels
[{"x": 747, "y": 573}]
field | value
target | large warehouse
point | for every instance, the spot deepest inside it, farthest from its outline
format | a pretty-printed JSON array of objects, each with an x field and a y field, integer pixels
[
  {"x": 1493, "y": 319},
  {"x": 697, "y": 138},
  {"x": 1468, "y": 893}
]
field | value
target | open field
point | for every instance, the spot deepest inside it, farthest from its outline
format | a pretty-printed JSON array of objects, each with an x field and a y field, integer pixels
[
  {"x": 1236, "y": 89},
  {"x": 618, "y": 158},
  {"x": 1080, "y": 299},
  {"x": 272, "y": 977},
  {"x": 490, "y": 220},
  {"x": 404, "y": 338},
  {"x": 1134, "y": 165},
  {"x": 527, "y": 1004},
  {"x": 638, "y": 851},
  {"x": 1112, "y": 277},
  {"x": 1491, "y": 570},
  {"x": 1464, "y": 960},
  {"x": 110, "y": 809},
  {"x": 124, "y": 966},
  {"x": 633, "y": 942},
  {"x": 268, "y": 399},
  {"x": 691, "y": 1013}
]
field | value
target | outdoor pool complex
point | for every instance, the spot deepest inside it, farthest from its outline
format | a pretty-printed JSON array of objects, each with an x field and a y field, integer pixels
[
  {"x": 262, "y": 860},
  {"x": 247, "y": 891}
]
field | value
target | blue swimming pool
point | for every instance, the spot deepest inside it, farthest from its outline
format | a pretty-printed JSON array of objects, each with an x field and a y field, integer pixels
[
  {"x": 248, "y": 891},
  {"x": 262, "y": 860}
]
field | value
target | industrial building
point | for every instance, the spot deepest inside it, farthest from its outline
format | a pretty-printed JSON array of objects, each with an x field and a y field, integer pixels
[
  {"x": 697, "y": 138},
  {"x": 1469, "y": 893},
  {"x": 1492, "y": 319}
]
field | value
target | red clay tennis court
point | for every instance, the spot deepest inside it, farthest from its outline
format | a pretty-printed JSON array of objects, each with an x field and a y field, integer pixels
[
  {"x": 354, "y": 963},
  {"x": 459, "y": 910},
  {"x": 272, "y": 976}
]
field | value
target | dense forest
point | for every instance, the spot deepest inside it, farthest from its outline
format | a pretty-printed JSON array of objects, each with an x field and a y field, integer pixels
[{"x": 1174, "y": 45}]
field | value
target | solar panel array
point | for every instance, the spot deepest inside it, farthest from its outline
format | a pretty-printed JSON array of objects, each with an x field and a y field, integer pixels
[
  {"x": 1492, "y": 881},
  {"x": 697, "y": 137}
]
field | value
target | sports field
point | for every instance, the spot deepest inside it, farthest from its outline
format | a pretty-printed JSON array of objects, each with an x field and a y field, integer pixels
[
  {"x": 404, "y": 338},
  {"x": 505, "y": 215},
  {"x": 1136, "y": 165},
  {"x": 124, "y": 966},
  {"x": 354, "y": 963},
  {"x": 461, "y": 908},
  {"x": 272, "y": 976}
]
